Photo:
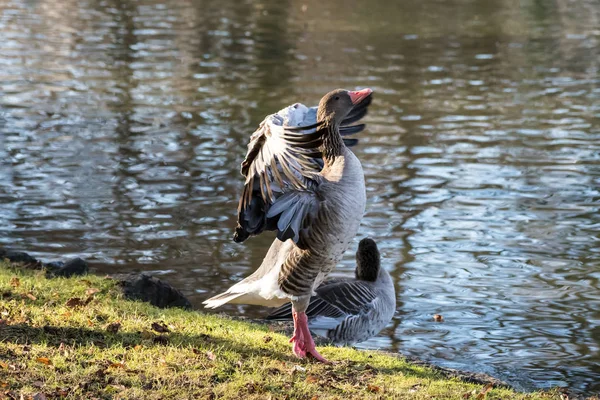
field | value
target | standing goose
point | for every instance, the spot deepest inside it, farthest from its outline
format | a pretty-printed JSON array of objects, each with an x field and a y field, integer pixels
[
  {"x": 304, "y": 183},
  {"x": 348, "y": 311}
]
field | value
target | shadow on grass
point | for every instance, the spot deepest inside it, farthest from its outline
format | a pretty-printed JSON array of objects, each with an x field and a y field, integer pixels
[{"x": 55, "y": 335}]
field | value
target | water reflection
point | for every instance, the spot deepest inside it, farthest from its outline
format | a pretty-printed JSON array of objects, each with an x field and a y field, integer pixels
[{"x": 122, "y": 128}]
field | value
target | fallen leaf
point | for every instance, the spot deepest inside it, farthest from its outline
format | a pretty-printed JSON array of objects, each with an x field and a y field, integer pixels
[
  {"x": 311, "y": 379},
  {"x": 75, "y": 302},
  {"x": 314, "y": 398},
  {"x": 467, "y": 395},
  {"x": 137, "y": 347},
  {"x": 438, "y": 318},
  {"x": 483, "y": 394},
  {"x": 31, "y": 296},
  {"x": 15, "y": 282},
  {"x": 67, "y": 314},
  {"x": 116, "y": 365},
  {"x": 44, "y": 360},
  {"x": 211, "y": 356},
  {"x": 267, "y": 339},
  {"x": 373, "y": 388},
  {"x": 3, "y": 365},
  {"x": 91, "y": 291},
  {"x": 160, "y": 327},
  {"x": 114, "y": 327}
]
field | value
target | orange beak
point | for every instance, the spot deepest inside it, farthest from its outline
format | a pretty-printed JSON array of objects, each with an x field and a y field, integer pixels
[{"x": 359, "y": 95}]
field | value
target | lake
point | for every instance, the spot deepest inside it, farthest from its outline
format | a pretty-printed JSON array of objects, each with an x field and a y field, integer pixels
[{"x": 123, "y": 124}]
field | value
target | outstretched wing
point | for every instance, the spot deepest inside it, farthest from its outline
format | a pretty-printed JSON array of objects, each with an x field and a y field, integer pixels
[
  {"x": 281, "y": 176},
  {"x": 282, "y": 168},
  {"x": 337, "y": 300}
]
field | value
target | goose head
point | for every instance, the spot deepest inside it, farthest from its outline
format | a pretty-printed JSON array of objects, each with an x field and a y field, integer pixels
[
  {"x": 337, "y": 104},
  {"x": 367, "y": 260}
]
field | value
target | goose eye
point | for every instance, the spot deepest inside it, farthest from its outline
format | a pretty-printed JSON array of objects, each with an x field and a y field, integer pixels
[{"x": 337, "y": 97}]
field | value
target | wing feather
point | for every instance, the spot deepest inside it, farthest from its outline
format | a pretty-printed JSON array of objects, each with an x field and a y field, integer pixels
[
  {"x": 281, "y": 159},
  {"x": 334, "y": 299}
]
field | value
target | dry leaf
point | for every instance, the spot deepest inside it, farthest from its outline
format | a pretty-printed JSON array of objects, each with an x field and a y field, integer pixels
[
  {"x": 311, "y": 379},
  {"x": 116, "y": 365},
  {"x": 91, "y": 291},
  {"x": 160, "y": 327},
  {"x": 44, "y": 360},
  {"x": 314, "y": 398},
  {"x": 114, "y": 327},
  {"x": 3, "y": 365},
  {"x": 267, "y": 339},
  {"x": 438, "y": 318},
  {"x": 15, "y": 282},
  {"x": 137, "y": 347},
  {"x": 483, "y": 394},
  {"x": 373, "y": 388},
  {"x": 75, "y": 302},
  {"x": 211, "y": 356},
  {"x": 31, "y": 296}
]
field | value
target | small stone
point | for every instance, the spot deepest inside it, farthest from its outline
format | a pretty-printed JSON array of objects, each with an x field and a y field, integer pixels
[{"x": 147, "y": 288}]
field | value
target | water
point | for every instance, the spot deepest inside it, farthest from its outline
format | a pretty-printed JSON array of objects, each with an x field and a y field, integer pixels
[{"x": 123, "y": 124}]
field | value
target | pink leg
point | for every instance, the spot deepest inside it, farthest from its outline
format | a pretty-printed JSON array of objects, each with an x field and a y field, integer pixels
[{"x": 303, "y": 341}]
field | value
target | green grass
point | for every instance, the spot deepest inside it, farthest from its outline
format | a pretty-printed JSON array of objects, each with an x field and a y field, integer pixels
[{"x": 60, "y": 347}]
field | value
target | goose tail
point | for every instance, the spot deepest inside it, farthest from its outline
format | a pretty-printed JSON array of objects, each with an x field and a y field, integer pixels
[{"x": 220, "y": 299}]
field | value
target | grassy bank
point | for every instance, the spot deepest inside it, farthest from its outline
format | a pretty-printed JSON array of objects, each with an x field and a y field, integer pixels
[{"x": 78, "y": 338}]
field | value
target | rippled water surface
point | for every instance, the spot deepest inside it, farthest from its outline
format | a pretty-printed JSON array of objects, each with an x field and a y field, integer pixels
[{"x": 123, "y": 123}]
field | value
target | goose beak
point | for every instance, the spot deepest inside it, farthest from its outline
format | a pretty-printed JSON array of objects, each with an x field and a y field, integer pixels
[{"x": 359, "y": 95}]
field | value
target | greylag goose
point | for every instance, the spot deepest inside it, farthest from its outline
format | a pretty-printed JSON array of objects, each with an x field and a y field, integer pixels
[
  {"x": 348, "y": 311},
  {"x": 303, "y": 182}
]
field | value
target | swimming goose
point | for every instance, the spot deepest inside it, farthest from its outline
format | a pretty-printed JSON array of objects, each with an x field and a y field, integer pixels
[
  {"x": 303, "y": 182},
  {"x": 348, "y": 311}
]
